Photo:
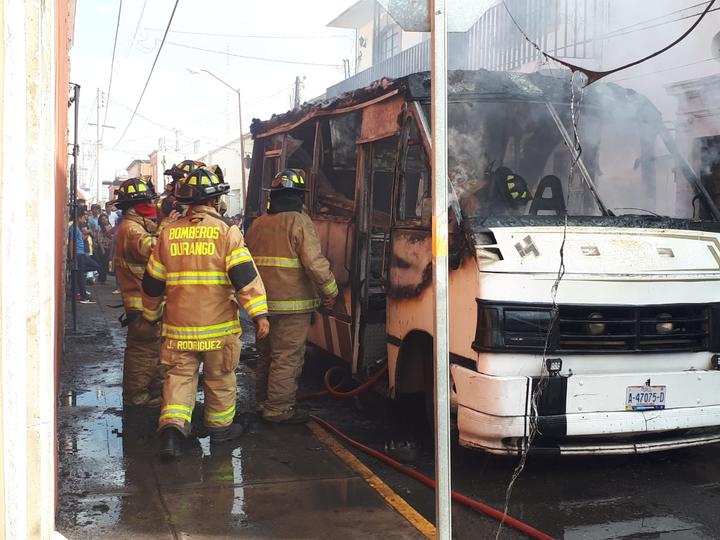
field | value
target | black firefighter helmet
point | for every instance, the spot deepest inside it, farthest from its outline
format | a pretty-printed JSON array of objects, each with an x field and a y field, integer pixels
[
  {"x": 182, "y": 169},
  {"x": 133, "y": 191},
  {"x": 200, "y": 185},
  {"x": 290, "y": 179},
  {"x": 510, "y": 188}
]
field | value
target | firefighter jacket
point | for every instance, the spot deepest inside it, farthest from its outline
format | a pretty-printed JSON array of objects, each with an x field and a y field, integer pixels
[
  {"x": 202, "y": 266},
  {"x": 286, "y": 250},
  {"x": 134, "y": 242}
]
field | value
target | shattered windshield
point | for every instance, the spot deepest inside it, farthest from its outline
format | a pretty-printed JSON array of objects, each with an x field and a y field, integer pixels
[{"x": 510, "y": 159}]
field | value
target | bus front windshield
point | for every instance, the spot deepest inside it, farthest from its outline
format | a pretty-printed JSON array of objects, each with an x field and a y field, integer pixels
[{"x": 511, "y": 159}]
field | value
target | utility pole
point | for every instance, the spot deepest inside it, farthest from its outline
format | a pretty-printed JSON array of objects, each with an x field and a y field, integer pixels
[
  {"x": 97, "y": 147},
  {"x": 296, "y": 104},
  {"x": 439, "y": 103},
  {"x": 98, "y": 143},
  {"x": 242, "y": 143},
  {"x": 75, "y": 101}
]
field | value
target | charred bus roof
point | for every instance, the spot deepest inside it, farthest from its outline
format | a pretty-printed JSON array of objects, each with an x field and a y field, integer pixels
[{"x": 475, "y": 85}]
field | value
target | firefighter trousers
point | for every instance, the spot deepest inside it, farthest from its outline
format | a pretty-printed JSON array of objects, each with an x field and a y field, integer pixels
[
  {"x": 142, "y": 373},
  {"x": 280, "y": 360},
  {"x": 220, "y": 357}
]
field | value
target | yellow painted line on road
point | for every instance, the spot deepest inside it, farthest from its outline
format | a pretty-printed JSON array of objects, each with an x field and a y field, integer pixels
[{"x": 400, "y": 505}]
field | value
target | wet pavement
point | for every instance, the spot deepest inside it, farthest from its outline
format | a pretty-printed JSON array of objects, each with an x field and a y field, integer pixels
[
  {"x": 113, "y": 486},
  {"x": 670, "y": 495},
  {"x": 276, "y": 482}
]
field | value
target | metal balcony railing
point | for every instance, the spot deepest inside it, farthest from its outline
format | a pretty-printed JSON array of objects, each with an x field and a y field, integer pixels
[{"x": 563, "y": 28}]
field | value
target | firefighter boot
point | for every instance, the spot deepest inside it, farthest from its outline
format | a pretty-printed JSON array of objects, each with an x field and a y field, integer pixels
[
  {"x": 226, "y": 434},
  {"x": 171, "y": 440},
  {"x": 293, "y": 416}
]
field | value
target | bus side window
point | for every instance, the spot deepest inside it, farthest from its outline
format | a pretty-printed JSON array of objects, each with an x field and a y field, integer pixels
[
  {"x": 335, "y": 188},
  {"x": 253, "y": 205},
  {"x": 271, "y": 165},
  {"x": 299, "y": 145},
  {"x": 414, "y": 179}
]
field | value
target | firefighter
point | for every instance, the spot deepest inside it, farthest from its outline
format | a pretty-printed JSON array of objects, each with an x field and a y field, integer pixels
[
  {"x": 286, "y": 249},
  {"x": 135, "y": 238},
  {"x": 201, "y": 265},
  {"x": 168, "y": 203}
]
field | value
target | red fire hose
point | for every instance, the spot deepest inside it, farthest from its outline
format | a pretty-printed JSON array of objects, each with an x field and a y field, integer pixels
[
  {"x": 332, "y": 390},
  {"x": 429, "y": 482}
]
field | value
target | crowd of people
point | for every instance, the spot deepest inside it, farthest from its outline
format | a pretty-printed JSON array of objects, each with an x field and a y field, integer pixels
[
  {"x": 92, "y": 238},
  {"x": 184, "y": 271}
]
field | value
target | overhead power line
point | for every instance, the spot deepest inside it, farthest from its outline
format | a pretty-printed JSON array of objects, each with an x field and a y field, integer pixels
[
  {"x": 112, "y": 68},
  {"x": 262, "y": 59},
  {"x": 137, "y": 26},
  {"x": 147, "y": 82},
  {"x": 250, "y": 36},
  {"x": 150, "y": 120},
  {"x": 636, "y": 28},
  {"x": 594, "y": 76}
]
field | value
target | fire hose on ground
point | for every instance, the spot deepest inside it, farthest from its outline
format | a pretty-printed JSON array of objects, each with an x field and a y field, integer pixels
[{"x": 333, "y": 390}]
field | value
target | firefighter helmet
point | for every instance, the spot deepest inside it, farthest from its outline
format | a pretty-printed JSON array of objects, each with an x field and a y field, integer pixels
[
  {"x": 182, "y": 169},
  {"x": 133, "y": 191},
  {"x": 200, "y": 185},
  {"x": 289, "y": 179},
  {"x": 512, "y": 187}
]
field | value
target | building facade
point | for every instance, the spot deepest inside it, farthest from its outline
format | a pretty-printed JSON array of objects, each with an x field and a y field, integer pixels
[
  {"x": 567, "y": 29},
  {"x": 227, "y": 156},
  {"x": 160, "y": 161},
  {"x": 139, "y": 167},
  {"x": 34, "y": 84}
]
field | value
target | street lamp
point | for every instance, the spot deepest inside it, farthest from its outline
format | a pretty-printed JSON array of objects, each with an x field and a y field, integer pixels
[{"x": 242, "y": 143}]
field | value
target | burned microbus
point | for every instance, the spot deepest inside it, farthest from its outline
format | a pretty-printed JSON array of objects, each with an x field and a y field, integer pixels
[{"x": 584, "y": 286}]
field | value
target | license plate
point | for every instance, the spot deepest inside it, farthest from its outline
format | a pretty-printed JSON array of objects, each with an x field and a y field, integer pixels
[{"x": 645, "y": 398}]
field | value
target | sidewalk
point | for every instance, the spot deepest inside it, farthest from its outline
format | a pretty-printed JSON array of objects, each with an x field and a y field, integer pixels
[{"x": 277, "y": 482}]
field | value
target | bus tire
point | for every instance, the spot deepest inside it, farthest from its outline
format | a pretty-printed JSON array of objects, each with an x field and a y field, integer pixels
[{"x": 414, "y": 376}]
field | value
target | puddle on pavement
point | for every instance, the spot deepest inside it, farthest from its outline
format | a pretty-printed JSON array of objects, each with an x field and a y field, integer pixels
[
  {"x": 648, "y": 527},
  {"x": 101, "y": 397}
]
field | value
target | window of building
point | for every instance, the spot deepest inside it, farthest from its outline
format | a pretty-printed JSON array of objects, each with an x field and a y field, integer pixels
[
  {"x": 335, "y": 190},
  {"x": 387, "y": 36}
]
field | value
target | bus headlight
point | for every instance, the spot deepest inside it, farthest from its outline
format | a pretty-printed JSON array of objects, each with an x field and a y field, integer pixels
[
  {"x": 503, "y": 327},
  {"x": 597, "y": 328},
  {"x": 664, "y": 327}
]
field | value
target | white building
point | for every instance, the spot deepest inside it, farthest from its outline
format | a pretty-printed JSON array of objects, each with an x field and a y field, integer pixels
[
  {"x": 161, "y": 160},
  {"x": 227, "y": 156}
]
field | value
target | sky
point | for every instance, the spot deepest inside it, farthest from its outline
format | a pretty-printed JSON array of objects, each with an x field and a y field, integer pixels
[
  {"x": 196, "y": 107},
  {"x": 201, "y": 108}
]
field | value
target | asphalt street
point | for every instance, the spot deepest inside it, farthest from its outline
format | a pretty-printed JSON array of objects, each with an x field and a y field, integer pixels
[
  {"x": 108, "y": 465},
  {"x": 666, "y": 495}
]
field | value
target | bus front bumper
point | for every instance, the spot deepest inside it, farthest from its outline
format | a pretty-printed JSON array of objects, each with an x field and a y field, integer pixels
[
  {"x": 625, "y": 432},
  {"x": 584, "y": 415}
]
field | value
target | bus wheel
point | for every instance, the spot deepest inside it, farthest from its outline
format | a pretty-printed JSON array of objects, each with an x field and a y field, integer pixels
[
  {"x": 414, "y": 384},
  {"x": 429, "y": 394}
]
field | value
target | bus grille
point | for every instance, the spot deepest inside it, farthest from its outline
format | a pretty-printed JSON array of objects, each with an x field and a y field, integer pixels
[
  {"x": 649, "y": 328},
  {"x": 588, "y": 329}
]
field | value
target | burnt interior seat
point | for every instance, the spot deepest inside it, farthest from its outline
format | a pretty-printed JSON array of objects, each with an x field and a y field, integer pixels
[{"x": 553, "y": 204}]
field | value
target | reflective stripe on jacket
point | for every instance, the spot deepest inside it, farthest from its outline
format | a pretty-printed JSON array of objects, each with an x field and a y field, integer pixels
[
  {"x": 134, "y": 242},
  {"x": 193, "y": 257},
  {"x": 286, "y": 250}
]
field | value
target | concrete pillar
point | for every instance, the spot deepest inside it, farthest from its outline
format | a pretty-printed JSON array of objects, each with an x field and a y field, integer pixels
[{"x": 28, "y": 291}]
